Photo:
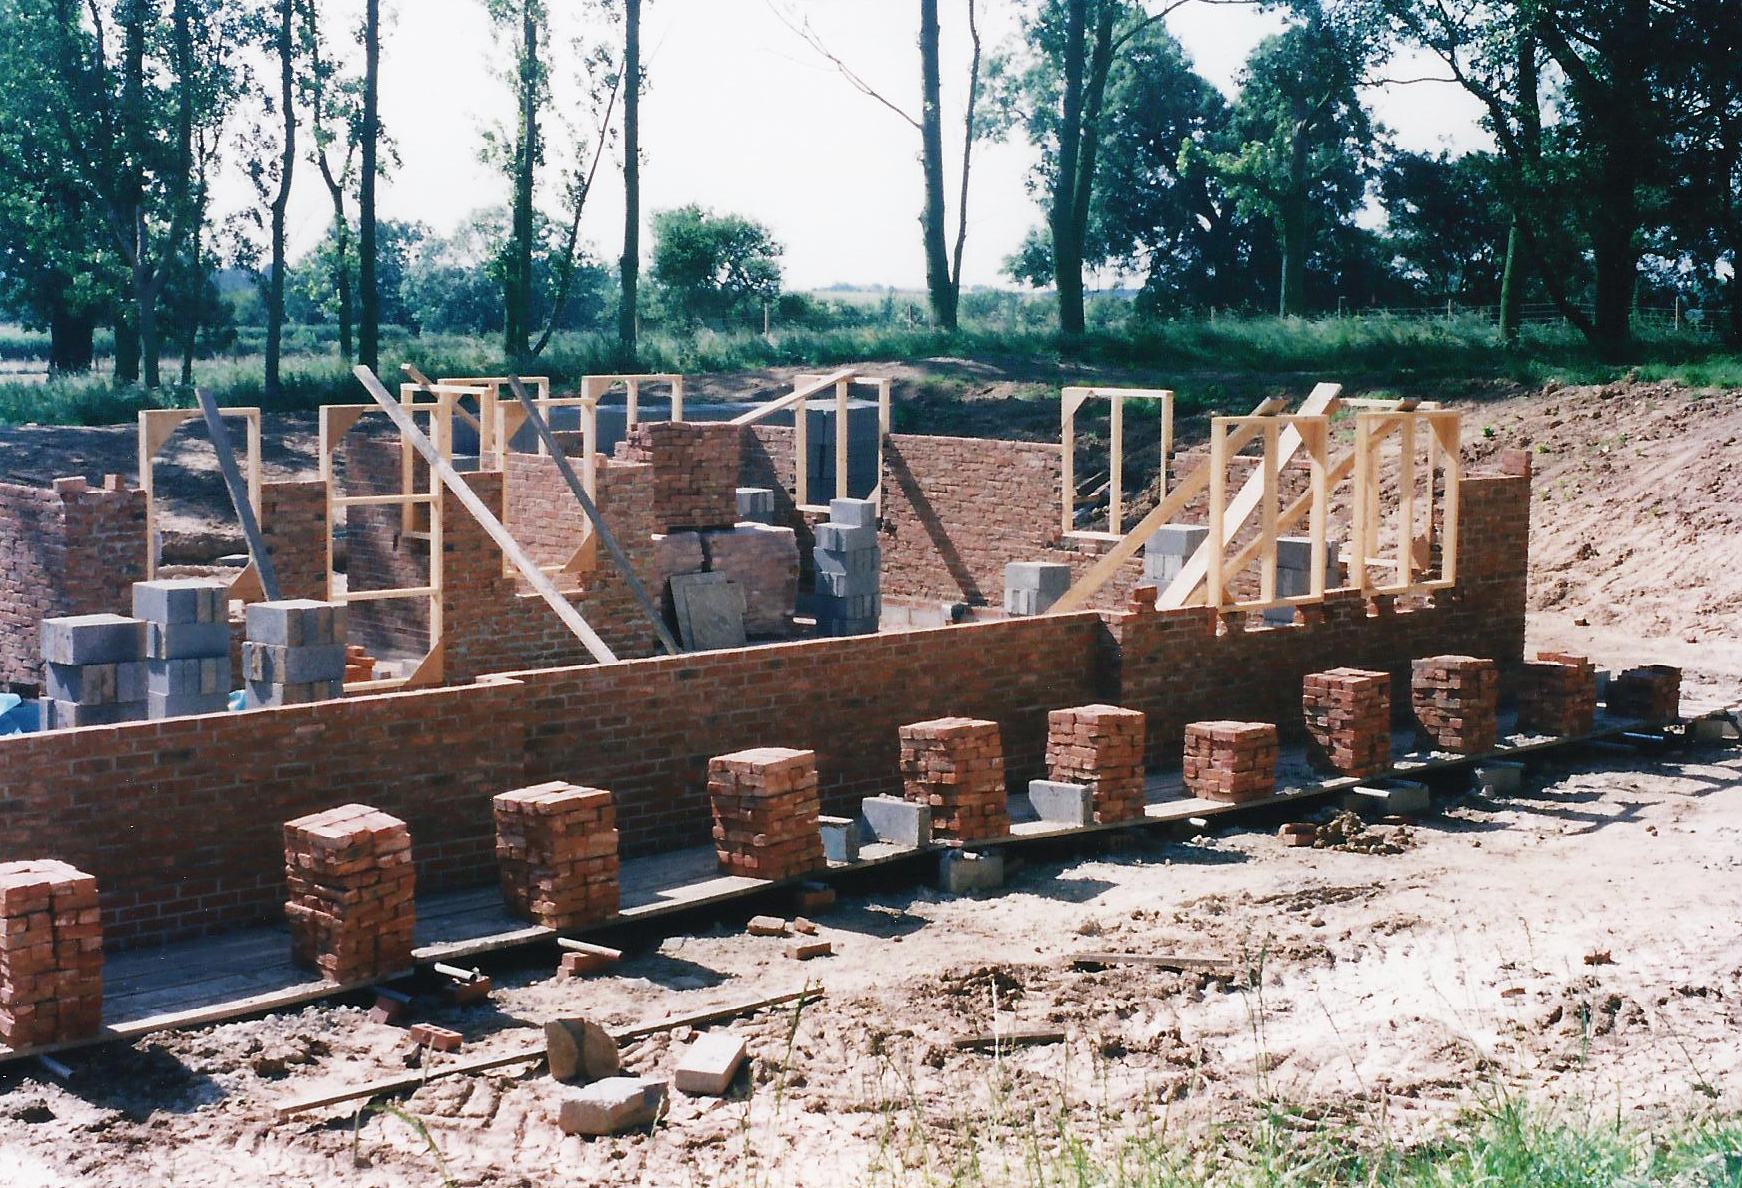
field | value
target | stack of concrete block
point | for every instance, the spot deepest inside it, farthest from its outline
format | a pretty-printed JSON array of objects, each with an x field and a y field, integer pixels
[
  {"x": 1455, "y": 699},
  {"x": 351, "y": 883},
  {"x": 1100, "y": 746},
  {"x": 1166, "y": 553},
  {"x": 295, "y": 652},
  {"x": 95, "y": 666},
  {"x": 1031, "y": 587},
  {"x": 1557, "y": 694},
  {"x": 763, "y": 560},
  {"x": 766, "y": 809},
  {"x": 695, "y": 471},
  {"x": 849, "y": 565},
  {"x": 1294, "y": 574},
  {"x": 51, "y": 954},
  {"x": 1230, "y": 761},
  {"x": 556, "y": 850},
  {"x": 956, "y": 765},
  {"x": 187, "y": 645},
  {"x": 1652, "y": 693},
  {"x": 1348, "y": 720},
  {"x": 755, "y": 505}
]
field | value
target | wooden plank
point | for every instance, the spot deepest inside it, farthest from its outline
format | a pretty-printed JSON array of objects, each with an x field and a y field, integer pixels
[
  {"x": 1006, "y": 1039},
  {"x": 1116, "y": 465},
  {"x": 239, "y": 493},
  {"x": 841, "y": 440},
  {"x": 1218, "y": 503},
  {"x": 1155, "y": 961},
  {"x": 798, "y": 395},
  {"x": 1267, "y": 516}
]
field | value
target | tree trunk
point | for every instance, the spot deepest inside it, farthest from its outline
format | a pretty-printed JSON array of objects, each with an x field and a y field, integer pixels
[
  {"x": 1067, "y": 249},
  {"x": 1512, "y": 283},
  {"x": 126, "y": 347},
  {"x": 1616, "y": 264},
  {"x": 517, "y": 319},
  {"x": 630, "y": 264},
  {"x": 938, "y": 282},
  {"x": 286, "y": 165},
  {"x": 1291, "y": 228},
  {"x": 70, "y": 342},
  {"x": 342, "y": 280},
  {"x": 369, "y": 298},
  {"x": 150, "y": 346}
]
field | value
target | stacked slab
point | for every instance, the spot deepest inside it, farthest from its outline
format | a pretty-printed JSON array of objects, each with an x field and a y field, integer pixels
[
  {"x": 1652, "y": 692},
  {"x": 1455, "y": 699},
  {"x": 1557, "y": 694},
  {"x": 956, "y": 765},
  {"x": 95, "y": 667},
  {"x": 1101, "y": 747},
  {"x": 556, "y": 849},
  {"x": 1031, "y": 587},
  {"x": 849, "y": 565},
  {"x": 187, "y": 645},
  {"x": 351, "y": 883},
  {"x": 294, "y": 653},
  {"x": 1348, "y": 720},
  {"x": 766, "y": 809},
  {"x": 1230, "y": 761},
  {"x": 51, "y": 954}
]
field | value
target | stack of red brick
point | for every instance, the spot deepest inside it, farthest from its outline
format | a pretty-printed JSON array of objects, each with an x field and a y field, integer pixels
[
  {"x": 359, "y": 664},
  {"x": 1455, "y": 699},
  {"x": 1557, "y": 694},
  {"x": 1348, "y": 720},
  {"x": 956, "y": 765},
  {"x": 1101, "y": 746},
  {"x": 766, "y": 810},
  {"x": 556, "y": 848},
  {"x": 1652, "y": 693},
  {"x": 1230, "y": 761},
  {"x": 351, "y": 880},
  {"x": 51, "y": 954},
  {"x": 695, "y": 471}
]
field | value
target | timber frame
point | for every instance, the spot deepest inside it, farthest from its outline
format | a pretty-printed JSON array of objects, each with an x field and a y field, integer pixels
[
  {"x": 1071, "y": 401},
  {"x": 156, "y": 427},
  {"x": 805, "y": 387},
  {"x": 1314, "y": 434}
]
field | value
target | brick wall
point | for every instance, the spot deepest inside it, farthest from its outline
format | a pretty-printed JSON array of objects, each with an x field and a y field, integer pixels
[
  {"x": 66, "y": 550},
  {"x": 293, "y": 519},
  {"x": 378, "y": 555}
]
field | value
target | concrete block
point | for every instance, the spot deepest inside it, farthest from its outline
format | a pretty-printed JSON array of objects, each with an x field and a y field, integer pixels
[
  {"x": 263, "y": 695},
  {"x": 186, "y": 705},
  {"x": 709, "y": 1065},
  {"x": 195, "y": 677},
  {"x": 845, "y": 538},
  {"x": 1713, "y": 730},
  {"x": 1401, "y": 798},
  {"x": 65, "y": 715},
  {"x": 847, "y": 585},
  {"x": 1031, "y": 587},
  {"x": 858, "y": 563},
  {"x": 1176, "y": 540},
  {"x": 756, "y": 504},
  {"x": 296, "y": 623},
  {"x": 840, "y": 838},
  {"x": 897, "y": 821},
  {"x": 1296, "y": 553},
  {"x": 1061, "y": 803},
  {"x": 1499, "y": 776},
  {"x": 186, "y": 641},
  {"x": 92, "y": 639},
  {"x": 96, "y": 684},
  {"x": 963, "y": 871},
  {"x": 854, "y": 513},
  {"x": 181, "y": 600},
  {"x": 612, "y": 1105},
  {"x": 580, "y": 1049},
  {"x": 276, "y": 665}
]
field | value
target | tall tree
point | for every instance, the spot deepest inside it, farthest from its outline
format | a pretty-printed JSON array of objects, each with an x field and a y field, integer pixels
[
  {"x": 369, "y": 293},
  {"x": 335, "y": 130},
  {"x": 284, "y": 39},
  {"x": 1528, "y": 103},
  {"x": 629, "y": 265},
  {"x": 531, "y": 88}
]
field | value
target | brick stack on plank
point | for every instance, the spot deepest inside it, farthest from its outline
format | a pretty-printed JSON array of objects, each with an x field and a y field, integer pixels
[
  {"x": 1230, "y": 761},
  {"x": 1348, "y": 720},
  {"x": 556, "y": 850},
  {"x": 1455, "y": 699},
  {"x": 956, "y": 765},
  {"x": 51, "y": 954},
  {"x": 849, "y": 564},
  {"x": 766, "y": 810},
  {"x": 295, "y": 652},
  {"x": 95, "y": 666},
  {"x": 187, "y": 645},
  {"x": 1652, "y": 693},
  {"x": 1557, "y": 694},
  {"x": 351, "y": 882},
  {"x": 695, "y": 471},
  {"x": 1100, "y": 746}
]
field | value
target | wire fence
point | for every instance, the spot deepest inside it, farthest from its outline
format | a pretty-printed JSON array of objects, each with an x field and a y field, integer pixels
[{"x": 1675, "y": 317}]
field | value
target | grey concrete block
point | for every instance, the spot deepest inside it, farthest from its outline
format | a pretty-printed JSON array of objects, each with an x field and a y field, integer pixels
[
  {"x": 195, "y": 677},
  {"x": 845, "y": 538},
  {"x": 181, "y": 600},
  {"x": 1392, "y": 798},
  {"x": 611, "y": 1106},
  {"x": 963, "y": 871},
  {"x": 837, "y": 628},
  {"x": 857, "y": 563},
  {"x": 96, "y": 684},
  {"x": 276, "y": 665},
  {"x": 186, "y": 641},
  {"x": 66, "y": 715},
  {"x": 296, "y": 623},
  {"x": 1061, "y": 803},
  {"x": 1176, "y": 540},
  {"x": 840, "y": 838},
  {"x": 853, "y": 513},
  {"x": 92, "y": 639},
  {"x": 896, "y": 821},
  {"x": 1031, "y": 587},
  {"x": 1295, "y": 553},
  {"x": 756, "y": 504},
  {"x": 1497, "y": 775},
  {"x": 847, "y": 585},
  {"x": 708, "y": 1066},
  {"x": 186, "y": 705},
  {"x": 263, "y": 695}
]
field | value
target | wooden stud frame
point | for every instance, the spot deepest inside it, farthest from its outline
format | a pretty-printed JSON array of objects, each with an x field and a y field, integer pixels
[
  {"x": 1071, "y": 402},
  {"x": 804, "y": 389},
  {"x": 486, "y": 421},
  {"x": 597, "y": 385},
  {"x": 156, "y": 427},
  {"x": 882, "y": 387},
  {"x": 1443, "y": 432},
  {"x": 1314, "y": 436}
]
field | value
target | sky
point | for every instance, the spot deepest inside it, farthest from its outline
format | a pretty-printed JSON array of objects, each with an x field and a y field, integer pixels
[{"x": 741, "y": 115}]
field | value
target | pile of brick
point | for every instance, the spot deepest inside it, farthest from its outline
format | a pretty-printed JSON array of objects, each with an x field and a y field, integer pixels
[
  {"x": 359, "y": 664},
  {"x": 763, "y": 560},
  {"x": 1557, "y": 694},
  {"x": 849, "y": 565},
  {"x": 1230, "y": 761},
  {"x": 351, "y": 883},
  {"x": 695, "y": 471},
  {"x": 295, "y": 652},
  {"x": 1100, "y": 746},
  {"x": 51, "y": 954},
  {"x": 766, "y": 810},
  {"x": 95, "y": 667},
  {"x": 956, "y": 765},
  {"x": 556, "y": 849},
  {"x": 1454, "y": 699},
  {"x": 187, "y": 645},
  {"x": 1652, "y": 693},
  {"x": 1348, "y": 720}
]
